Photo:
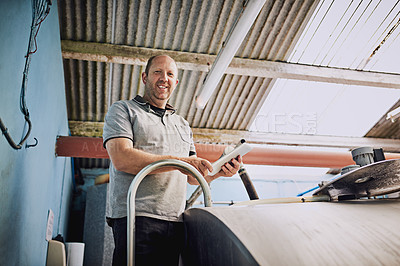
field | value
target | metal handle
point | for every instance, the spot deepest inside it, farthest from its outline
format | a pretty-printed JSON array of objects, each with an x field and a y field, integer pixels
[{"x": 132, "y": 195}]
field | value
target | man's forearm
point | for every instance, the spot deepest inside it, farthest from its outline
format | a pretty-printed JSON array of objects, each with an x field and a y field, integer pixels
[
  {"x": 130, "y": 160},
  {"x": 127, "y": 159}
]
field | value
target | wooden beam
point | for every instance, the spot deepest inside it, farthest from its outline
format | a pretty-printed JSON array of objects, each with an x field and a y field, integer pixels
[
  {"x": 231, "y": 137},
  {"x": 86, "y": 128},
  {"x": 122, "y": 54},
  {"x": 87, "y": 147},
  {"x": 129, "y": 55}
]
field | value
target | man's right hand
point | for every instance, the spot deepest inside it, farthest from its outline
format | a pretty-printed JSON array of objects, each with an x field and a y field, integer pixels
[
  {"x": 202, "y": 165},
  {"x": 130, "y": 160}
]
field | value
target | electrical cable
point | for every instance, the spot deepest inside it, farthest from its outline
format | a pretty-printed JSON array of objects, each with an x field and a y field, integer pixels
[
  {"x": 342, "y": 31},
  {"x": 316, "y": 30},
  {"x": 361, "y": 52},
  {"x": 328, "y": 39},
  {"x": 318, "y": 186},
  {"x": 388, "y": 46},
  {"x": 365, "y": 62},
  {"x": 40, "y": 10},
  {"x": 382, "y": 42},
  {"x": 353, "y": 33}
]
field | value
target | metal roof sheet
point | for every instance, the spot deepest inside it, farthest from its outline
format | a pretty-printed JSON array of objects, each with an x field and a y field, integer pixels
[{"x": 198, "y": 27}]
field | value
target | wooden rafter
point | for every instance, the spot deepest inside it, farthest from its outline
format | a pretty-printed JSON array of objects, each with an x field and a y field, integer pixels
[
  {"x": 122, "y": 54},
  {"x": 95, "y": 129}
]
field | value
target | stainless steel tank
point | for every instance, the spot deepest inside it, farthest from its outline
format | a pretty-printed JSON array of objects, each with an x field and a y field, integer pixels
[{"x": 355, "y": 232}]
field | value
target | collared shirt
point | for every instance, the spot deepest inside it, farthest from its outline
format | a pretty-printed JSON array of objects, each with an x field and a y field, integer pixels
[
  {"x": 139, "y": 99},
  {"x": 155, "y": 131}
]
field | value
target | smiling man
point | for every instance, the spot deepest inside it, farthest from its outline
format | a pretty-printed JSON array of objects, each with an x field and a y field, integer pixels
[
  {"x": 139, "y": 132},
  {"x": 160, "y": 80}
]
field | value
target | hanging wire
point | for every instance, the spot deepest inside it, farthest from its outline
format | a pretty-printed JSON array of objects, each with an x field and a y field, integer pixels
[
  {"x": 333, "y": 31},
  {"x": 390, "y": 33},
  {"x": 338, "y": 38},
  {"x": 361, "y": 52},
  {"x": 40, "y": 10},
  {"x": 373, "y": 41},
  {"x": 316, "y": 30},
  {"x": 352, "y": 32}
]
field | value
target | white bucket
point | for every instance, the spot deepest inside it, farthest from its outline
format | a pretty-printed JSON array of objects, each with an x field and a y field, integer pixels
[{"x": 75, "y": 253}]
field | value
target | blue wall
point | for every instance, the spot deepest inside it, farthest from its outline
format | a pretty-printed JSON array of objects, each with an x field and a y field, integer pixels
[{"x": 32, "y": 180}]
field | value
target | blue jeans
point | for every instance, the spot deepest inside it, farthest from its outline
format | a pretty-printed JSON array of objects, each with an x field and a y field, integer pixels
[{"x": 157, "y": 242}]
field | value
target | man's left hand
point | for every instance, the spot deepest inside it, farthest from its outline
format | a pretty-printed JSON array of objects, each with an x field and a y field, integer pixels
[{"x": 230, "y": 168}]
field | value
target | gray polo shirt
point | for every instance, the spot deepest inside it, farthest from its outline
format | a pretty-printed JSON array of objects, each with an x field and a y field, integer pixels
[{"x": 160, "y": 196}]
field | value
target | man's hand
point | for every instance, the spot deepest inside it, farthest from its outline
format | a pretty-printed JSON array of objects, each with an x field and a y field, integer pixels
[
  {"x": 202, "y": 165},
  {"x": 228, "y": 169}
]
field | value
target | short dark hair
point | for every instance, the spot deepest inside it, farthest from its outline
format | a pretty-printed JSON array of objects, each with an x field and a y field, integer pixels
[{"x": 149, "y": 62}]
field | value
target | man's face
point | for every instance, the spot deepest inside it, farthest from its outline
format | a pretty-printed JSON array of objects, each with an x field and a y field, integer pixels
[{"x": 160, "y": 81}]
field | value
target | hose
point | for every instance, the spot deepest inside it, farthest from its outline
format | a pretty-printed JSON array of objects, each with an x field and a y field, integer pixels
[{"x": 4, "y": 130}]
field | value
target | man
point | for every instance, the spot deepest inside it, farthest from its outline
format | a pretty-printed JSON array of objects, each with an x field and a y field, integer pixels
[{"x": 139, "y": 132}]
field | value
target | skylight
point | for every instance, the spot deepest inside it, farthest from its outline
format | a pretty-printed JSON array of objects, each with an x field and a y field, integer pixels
[{"x": 361, "y": 35}]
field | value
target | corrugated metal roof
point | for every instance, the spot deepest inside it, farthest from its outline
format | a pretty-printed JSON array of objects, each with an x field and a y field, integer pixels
[
  {"x": 189, "y": 26},
  {"x": 201, "y": 27},
  {"x": 386, "y": 128},
  {"x": 91, "y": 163}
]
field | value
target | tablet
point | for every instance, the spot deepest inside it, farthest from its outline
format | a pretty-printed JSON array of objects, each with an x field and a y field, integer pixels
[{"x": 241, "y": 149}]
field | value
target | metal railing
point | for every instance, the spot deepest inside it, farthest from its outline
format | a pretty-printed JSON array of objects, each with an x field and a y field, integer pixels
[{"x": 132, "y": 195}]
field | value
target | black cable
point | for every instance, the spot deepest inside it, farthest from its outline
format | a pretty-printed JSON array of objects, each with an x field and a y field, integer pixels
[
  {"x": 4, "y": 130},
  {"x": 40, "y": 10}
]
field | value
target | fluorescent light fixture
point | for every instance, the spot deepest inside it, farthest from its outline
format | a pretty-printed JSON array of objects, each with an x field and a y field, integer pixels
[
  {"x": 392, "y": 115},
  {"x": 242, "y": 25}
]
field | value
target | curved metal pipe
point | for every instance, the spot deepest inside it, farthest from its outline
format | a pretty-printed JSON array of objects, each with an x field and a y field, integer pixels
[{"x": 132, "y": 195}]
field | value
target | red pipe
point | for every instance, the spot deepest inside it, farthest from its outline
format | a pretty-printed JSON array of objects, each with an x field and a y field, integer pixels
[
  {"x": 279, "y": 156},
  {"x": 86, "y": 147}
]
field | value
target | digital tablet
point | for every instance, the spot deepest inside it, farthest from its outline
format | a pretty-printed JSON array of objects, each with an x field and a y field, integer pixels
[{"x": 241, "y": 149}]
